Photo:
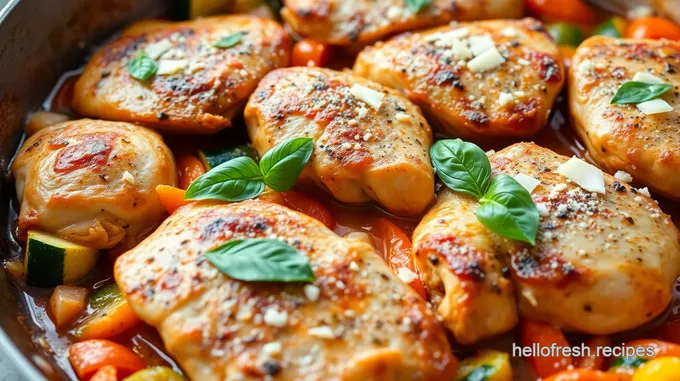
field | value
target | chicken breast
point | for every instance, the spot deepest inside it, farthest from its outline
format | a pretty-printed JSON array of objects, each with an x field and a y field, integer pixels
[
  {"x": 358, "y": 23},
  {"x": 621, "y": 137},
  {"x": 198, "y": 88},
  {"x": 602, "y": 263},
  {"x": 92, "y": 182},
  {"x": 370, "y": 142},
  {"x": 356, "y": 322},
  {"x": 473, "y": 80}
]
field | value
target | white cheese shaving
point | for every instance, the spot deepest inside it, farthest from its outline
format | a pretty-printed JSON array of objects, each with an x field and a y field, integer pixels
[
  {"x": 587, "y": 176},
  {"x": 460, "y": 32},
  {"x": 542, "y": 209},
  {"x": 505, "y": 99},
  {"x": 655, "y": 106},
  {"x": 323, "y": 332},
  {"x": 509, "y": 32},
  {"x": 170, "y": 67},
  {"x": 312, "y": 292},
  {"x": 623, "y": 176},
  {"x": 157, "y": 49},
  {"x": 523, "y": 62},
  {"x": 480, "y": 44},
  {"x": 645, "y": 191},
  {"x": 362, "y": 112},
  {"x": 371, "y": 97},
  {"x": 586, "y": 66},
  {"x": 406, "y": 275},
  {"x": 127, "y": 176},
  {"x": 488, "y": 60},
  {"x": 645, "y": 77},
  {"x": 528, "y": 182},
  {"x": 273, "y": 348},
  {"x": 276, "y": 318},
  {"x": 461, "y": 50}
]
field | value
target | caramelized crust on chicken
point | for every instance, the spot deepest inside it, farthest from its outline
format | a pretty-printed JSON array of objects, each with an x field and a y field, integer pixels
[
  {"x": 357, "y": 321},
  {"x": 601, "y": 264},
  {"x": 621, "y": 137},
  {"x": 93, "y": 182},
  {"x": 466, "y": 88},
  {"x": 357, "y": 23},
  {"x": 370, "y": 142},
  {"x": 199, "y": 87}
]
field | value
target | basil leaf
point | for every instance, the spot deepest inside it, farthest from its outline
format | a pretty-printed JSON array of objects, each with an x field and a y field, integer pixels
[
  {"x": 282, "y": 164},
  {"x": 507, "y": 209},
  {"x": 638, "y": 92},
  {"x": 462, "y": 166},
  {"x": 416, "y": 6},
  {"x": 261, "y": 260},
  {"x": 481, "y": 373},
  {"x": 236, "y": 180},
  {"x": 142, "y": 67},
  {"x": 628, "y": 362},
  {"x": 229, "y": 41}
]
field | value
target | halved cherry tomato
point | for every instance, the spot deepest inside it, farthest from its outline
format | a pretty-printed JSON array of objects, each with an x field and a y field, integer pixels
[
  {"x": 309, "y": 51},
  {"x": 190, "y": 168},
  {"x": 586, "y": 375},
  {"x": 397, "y": 249},
  {"x": 575, "y": 11},
  {"x": 654, "y": 28},
  {"x": 87, "y": 357},
  {"x": 661, "y": 348},
  {"x": 306, "y": 204},
  {"x": 593, "y": 362},
  {"x": 106, "y": 373},
  {"x": 171, "y": 197},
  {"x": 545, "y": 335}
]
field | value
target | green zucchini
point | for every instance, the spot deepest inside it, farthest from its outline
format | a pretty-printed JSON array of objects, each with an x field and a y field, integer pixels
[
  {"x": 51, "y": 261},
  {"x": 211, "y": 158},
  {"x": 566, "y": 34},
  {"x": 627, "y": 362}
]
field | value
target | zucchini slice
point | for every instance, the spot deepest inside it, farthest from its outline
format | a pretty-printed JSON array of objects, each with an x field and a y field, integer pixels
[
  {"x": 211, "y": 158},
  {"x": 51, "y": 261},
  {"x": 110, "y": 315}
]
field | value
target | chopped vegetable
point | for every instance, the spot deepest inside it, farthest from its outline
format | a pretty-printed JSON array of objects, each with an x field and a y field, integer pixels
[
  {"x": 613, "y": 27},
  {"x": 211, "y": 158},
  {"x": 67, "y": 303},
  {"x": 308, "y": 52},
  {"x": 566, "y": 34},
  {"x": 660, "y": 369},
  {"x": 106, "y": 373},
  {"x": 545, "y": 335},
  {"x": 626, "y": 365},
  {"x": 487, "y": 365},
  {"x": 575, "y": 11},
  {"x": 594, "y": 361},
  {"x": 306, "y": 204},
  {"x": 42, "y": 119},
  {"x": 51, "y": 261},
  {"x": 190, "y": 168},
  {"x": 170, "y": 197},
  {"x": 89, "y": 356},
  {"x": 397, "y": 250},
  {"x": 156, "y": 373},
  {"x": 229, "y": 41},
  {"x": 585, "y": 375},
  {"x": 653, "y": 28},
  {"x": 111, "y": 315}
]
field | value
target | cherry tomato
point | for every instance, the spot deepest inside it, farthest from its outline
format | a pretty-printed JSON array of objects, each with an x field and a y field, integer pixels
[
  {"x": 398, "y": 253},
  {"x": 545, "y": 335},
  {"x": 87, "y": 357},
  {"x": 306, "y": 204},
  {"x": 190, "y": 168},
  {"x": 307, "y": 50},
  {"x": 575, "y": 11},
  {"x": 653, "y": 28}
]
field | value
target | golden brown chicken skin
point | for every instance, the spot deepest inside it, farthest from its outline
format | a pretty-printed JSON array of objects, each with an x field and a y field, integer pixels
[
  {"x": 357, "y": 23},
  {"x": 622, "y": 137},
  {"x": 357, "y": 321},
  {"x": 474, "y": 80},
  {"x": 199, "y": 87},
  {"x": 602, "y": 263},
  {"x": 93, "y": 182},
  {"x": 370, "y": 142}
]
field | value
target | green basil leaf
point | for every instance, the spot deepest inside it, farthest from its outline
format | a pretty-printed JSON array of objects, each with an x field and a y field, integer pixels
[
  {"x": 638, "y": 92},
  {"x": 282, "y": 164},
  {"x": 628, "y": 362},
  {"x": 416, "y": 6},
  {"x": 481, "y": 373},
  {"x": 229, "y": 41},
  {"x": 142, "y": 67},
  {"x": 236, "y": 180},
  {"x": 261, "y": 260},
  {"x": 507, "y": 209},
  {"x": 461, "y": 166}
]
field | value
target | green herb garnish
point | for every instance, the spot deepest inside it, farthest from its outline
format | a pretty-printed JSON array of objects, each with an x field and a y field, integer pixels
[
  {"x": 481, "y": 373},
  {"x": 416, "y": 6},
  {"x": 638, "y": 92},
  {"x": 142, "y": 67},
  {"x": 229, "y": 41}
]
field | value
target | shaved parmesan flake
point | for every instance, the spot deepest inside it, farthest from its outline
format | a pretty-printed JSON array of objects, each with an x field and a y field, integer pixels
[
  {"x": 157, "y": 49},
  {"x": 323, "y": 332},
  {"x": 170, "y": 67},
  {"x": 273, "y": 348},
  {"x": 587, "y": 176},
  {"x": 529, "y": 183},
  {"x": 480, "y": 44},
  {"x": 362, "y": 112},
  {"x": 488, "y": 60},
  {"x": 460, "y": 32},
  {"x": 586, "y": 66},
  {"x": 276, "y": 318},
  {"x": 461, "y": 50},
  {"x": 644, "y": 77},
  {"x": 312, "y": 292},
  {"x": 509, "y": 32},
  {"x": 645, "y": 191},
  {"x": 623, "y": 176},
  {"x": 655, "y": 106},
  {"x": 505, "y": 99},
  {"x": 371, "y": 97},
  {"x": 406, "y": 275},
  {"x": 127, "y": 176}
]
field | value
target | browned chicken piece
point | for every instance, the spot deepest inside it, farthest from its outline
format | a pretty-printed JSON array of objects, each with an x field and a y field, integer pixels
[
  {"x": 198, "y": 88},
  {"x": 370, "y": 142},
  {"x": 356, "y": 23},
  {"x": 356, "y": 322},
  {"x": 93, "y": 182},
  {"x": 473, "y": 80},
  {"x": 623, "y": 137},
  {"x": 603, "y": 263}
]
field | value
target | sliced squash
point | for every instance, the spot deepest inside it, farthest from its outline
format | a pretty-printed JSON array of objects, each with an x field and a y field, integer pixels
[
  {"x": 111, "y": 315},
  {"x": 51, "y": 261},
  {"x": 66, "y": 303},
  {"x": 488, "y": 365},
  {"x": 211, "y": 158}
]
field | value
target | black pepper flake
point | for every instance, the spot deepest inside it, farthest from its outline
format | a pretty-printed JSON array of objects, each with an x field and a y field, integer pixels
[
  {"x": 162, "y": 116},
  {"x": 271, "y": 367},
  {"x": 618, "y": 187},
  {"x": 587, "y": 308},
  {"x": 630, "y": 220},
  {"x": 433, "y": 259}
]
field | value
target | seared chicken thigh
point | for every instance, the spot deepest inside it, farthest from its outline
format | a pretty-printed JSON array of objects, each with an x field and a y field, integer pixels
[
  {"x": 622, "y": 137},
  {"x": 602, "y": 263},
  {"x": 357, "y": 23},
  {"x": 370, "y": 142},
  {"x": 356, "y": 322},
  {"x": 479, "y": 79},
  {"x": 206, "y": 70},
  {"x": 92, "y": 182}
]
